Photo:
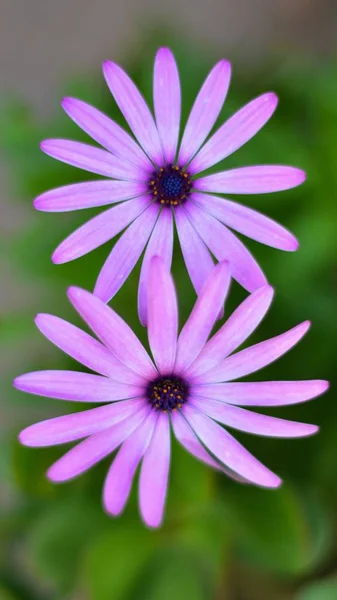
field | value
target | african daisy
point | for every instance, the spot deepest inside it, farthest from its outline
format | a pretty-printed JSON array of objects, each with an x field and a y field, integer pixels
[
  {"x": 187, "y": 387},
  {"x": 154, "y": 179}
]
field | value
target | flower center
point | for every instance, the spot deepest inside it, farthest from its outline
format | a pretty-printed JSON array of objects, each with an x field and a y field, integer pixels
[
  {"x": 170, "y": 185},
  {"x": 167, "y": 393}
]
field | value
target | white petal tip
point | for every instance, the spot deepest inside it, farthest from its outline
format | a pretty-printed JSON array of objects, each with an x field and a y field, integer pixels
[
  {"x": 164, "y": 51},
  {"x": 74, "y": 292},
  {"x": 276, "y": 483},
  {"x": 58, "y": 258},
  {"x": 272, "y": 98},
  {"x": 300, "y": 176},
  {"x": 38, "y": 203},
  {"x": 67, "y": 101},
  {"x": 24, "y": 438},
  {"x": 292, "y": 245},
  {"x": 55, "y": 476},
  {"x": 311, "y": 430},
  {"x": 112, "y": 510},
  {"x": 322, "y": 386},
  {"x": 152, "y": 523},
  {"x": 44, "y": 146},
  {"x": 305, "y": 325},
  {"x": 19, "y": 383},
  {"x": 40, "y": 319},
  {"x": 225, "y": 64}
]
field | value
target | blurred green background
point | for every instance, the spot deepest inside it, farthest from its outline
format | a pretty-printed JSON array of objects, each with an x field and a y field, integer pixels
[{"x": 220, "y": 541}]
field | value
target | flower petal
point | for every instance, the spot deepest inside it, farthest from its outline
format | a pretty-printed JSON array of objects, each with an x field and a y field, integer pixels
[
  {"x": 260, "y": 179},
  {"x": 167, "y": 101},
  {"x": 160, "y": 244},
  {"x": 85, "y": 349},
  {"x": 121, "y": 473},
  {"x": 90, "y": 158},
  {"x": 99, "y": 230},
  {"x": 162, "y": 316},
  {"x": 256, "y": 357},
  {"x": 154, "y": 473},
  {"x": 203, "y": 316},
  {"x": 135, "y": 110},
  {"x": 262, "y": 393},
  {"x": 205, "y": 110},
  {"x": 75, "y": 386},
  {"x": 197, "y": 257},
  {"x": 187, "y": 438},
  {"x": 226, "y": 246},
  {"x": 69, "y": 428},
  {"x": 125, "y": 254},
  {"x": 248, "y": 222},
  {"x": 106, "y": 132},
  {"x": 228, "y": 451},
  {"x": 89, "y": 452},
  {"x": 250, "y": 422},
  {"x": 235, "y": 132},
  {"x": 113, "y": 332},
  {"x": 87, "y": 195},
  {"x": 238, "y": 327}
]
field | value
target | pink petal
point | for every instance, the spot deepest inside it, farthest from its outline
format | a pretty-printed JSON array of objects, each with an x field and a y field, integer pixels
[
  {"x": 87, "y": 195},
  {"x": 261, "y": 179},
  {"x": 235, "y": 132},
  {"x": 262, "y": 393},
  {"x": 187, "y": 438},
  {"x": 125, "y": 254},
  {"x": 160, "y": 244},
  {"x": 246, "y": 420},
  {"x": 99, "y": 230},
  {"x": 167, "y": 101},
  {"x": 113, "y": 332},
  {"x": 106, "y": 132},
  {"x": 234, "y": 332},
  {"x": 75, "y": 386},
  {"x": 226, "y": 246},
  {"x": 85, "y": 349},
  {"x": 203, "y": 316},
  {"x": 162, "y": 316},
  {"x": 92, "y": 159},
  {"x": 119, "y": 479},
  {"x": 69, "y": 428},
  {"x": 154, "y": 474},
  {"x": 89, "y": 452},
  {"x": 248, "y": 222},
  {"x": 256, "y": 357},
  {"x": 205, "y": 110},
  {"x": 228, "y": 451},
  {"x": 135, "y": 110},
  {"x": 198, "y": 260}
]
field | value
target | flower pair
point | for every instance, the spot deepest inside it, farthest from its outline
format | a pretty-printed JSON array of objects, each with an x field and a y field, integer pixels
[{"x": 190, "y": 384}]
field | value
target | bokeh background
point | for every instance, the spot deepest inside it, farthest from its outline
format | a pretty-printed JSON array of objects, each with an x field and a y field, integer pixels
[{"x": 220, "y": 541}]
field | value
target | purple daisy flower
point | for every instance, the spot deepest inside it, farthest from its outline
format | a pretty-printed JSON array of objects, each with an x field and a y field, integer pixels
[
  {"x": 188, "y": 386},
  {"x": 153, "y": 178}
]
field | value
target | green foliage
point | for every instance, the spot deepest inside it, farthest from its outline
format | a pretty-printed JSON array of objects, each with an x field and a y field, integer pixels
[
  {"x": 322, "y": 590},
  {"x": 55, "y": 541}
]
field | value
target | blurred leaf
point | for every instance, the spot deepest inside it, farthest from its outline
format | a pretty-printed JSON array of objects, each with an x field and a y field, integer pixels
[
  {"x": 278, "y": 529},
  {"x": 320, "y": 590},
  {"x": 30, "y": 465},
  {"x": 7, "y": 595},
  {"x": 175, "y": 574},
  {"x": 115, "y": 561},
  {"x": 58, "y": 538}
]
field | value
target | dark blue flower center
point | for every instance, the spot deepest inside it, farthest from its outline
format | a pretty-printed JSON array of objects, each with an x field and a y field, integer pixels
[
  {"x": 167, "y": 393},
  {"x": 170, "y": 185}
]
